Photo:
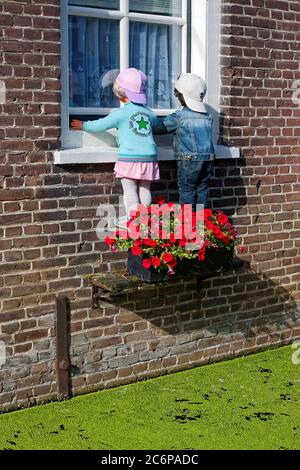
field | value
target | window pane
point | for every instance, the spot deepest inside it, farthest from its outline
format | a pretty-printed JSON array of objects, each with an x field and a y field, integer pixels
[
  {"x": 157, "y": 7},
  {"x": 107, "y": 4},
  {"x": 93, "y": 61},
  {"x": 156, "y": 50}
]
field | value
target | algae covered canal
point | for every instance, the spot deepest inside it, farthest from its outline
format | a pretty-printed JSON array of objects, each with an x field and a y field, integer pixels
[{"x": 247, "y": 403}]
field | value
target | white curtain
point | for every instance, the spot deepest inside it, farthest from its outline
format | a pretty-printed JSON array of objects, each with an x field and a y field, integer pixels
[
  {"x": 155, "y": 49},
  {"x": 94, "y": 60}
]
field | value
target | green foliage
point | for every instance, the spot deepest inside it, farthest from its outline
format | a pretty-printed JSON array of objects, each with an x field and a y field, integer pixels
[{"x": 246, "y": 403}]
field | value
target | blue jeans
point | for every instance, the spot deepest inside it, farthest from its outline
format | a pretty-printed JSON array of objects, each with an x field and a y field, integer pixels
[{"x": 193, "y": 179}]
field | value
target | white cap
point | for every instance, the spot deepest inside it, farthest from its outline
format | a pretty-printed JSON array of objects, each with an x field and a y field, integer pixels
[{"x": 193, "y": 89}]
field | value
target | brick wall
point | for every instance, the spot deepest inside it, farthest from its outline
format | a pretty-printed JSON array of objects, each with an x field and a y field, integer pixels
[{"x": 48, "y": 216}]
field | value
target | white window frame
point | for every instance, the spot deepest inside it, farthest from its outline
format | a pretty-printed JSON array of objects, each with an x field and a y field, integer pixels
[
  {"x": 82, "y": 147},
  {"x": 125, "y": 17}
]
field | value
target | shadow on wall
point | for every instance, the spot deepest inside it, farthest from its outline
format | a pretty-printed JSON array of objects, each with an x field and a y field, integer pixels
[
  {"x": 227, "y": 190},
  {"x": 242, "y": 301},
  {"x": 180, "y": 325}
]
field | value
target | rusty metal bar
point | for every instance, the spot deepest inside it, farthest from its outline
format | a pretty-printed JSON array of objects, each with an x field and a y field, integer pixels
[
  {"x": 62, "y": 349},
  {"x": 94, "y": 296}
]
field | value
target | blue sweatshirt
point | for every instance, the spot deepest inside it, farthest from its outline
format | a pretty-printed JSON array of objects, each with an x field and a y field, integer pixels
[{"x": 134, "y": 132}]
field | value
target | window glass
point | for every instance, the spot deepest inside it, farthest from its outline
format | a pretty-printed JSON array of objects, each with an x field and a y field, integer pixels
[
  {"x": 158, "y": 7},
  {"x": 107, "y": 4},
  {"x": 93, "y": 61},
  {"x": 156, "y": 50}
]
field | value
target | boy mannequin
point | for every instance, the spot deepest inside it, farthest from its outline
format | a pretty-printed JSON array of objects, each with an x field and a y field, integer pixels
[{"x": 193, "y": 146}]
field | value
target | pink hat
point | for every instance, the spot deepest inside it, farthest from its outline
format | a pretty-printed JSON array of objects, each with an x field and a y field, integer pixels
[{"x": 134, "y": 83}]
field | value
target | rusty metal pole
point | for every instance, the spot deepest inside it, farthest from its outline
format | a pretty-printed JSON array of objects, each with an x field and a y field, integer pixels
[
  {"x": 94, "y": 294},
  {"x": 62, "y": 349}
]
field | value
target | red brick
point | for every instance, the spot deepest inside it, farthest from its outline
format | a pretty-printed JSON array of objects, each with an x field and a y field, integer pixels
[
  {"x": 107, "y": 342},
  {"x": 31, "y": 335}
]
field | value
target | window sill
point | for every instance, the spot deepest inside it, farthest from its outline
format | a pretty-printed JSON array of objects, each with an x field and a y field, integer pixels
[{"x": 90, "y": 155}]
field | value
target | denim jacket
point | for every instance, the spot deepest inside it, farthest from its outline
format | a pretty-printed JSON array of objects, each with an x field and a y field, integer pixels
[{"x": 193, "y": 134}]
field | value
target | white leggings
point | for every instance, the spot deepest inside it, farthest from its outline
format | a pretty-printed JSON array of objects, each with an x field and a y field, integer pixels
[{"x": 136, "y": 192}]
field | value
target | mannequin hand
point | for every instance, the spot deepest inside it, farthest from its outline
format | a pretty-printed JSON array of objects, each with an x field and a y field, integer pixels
[{"x": 76, "y": 124}]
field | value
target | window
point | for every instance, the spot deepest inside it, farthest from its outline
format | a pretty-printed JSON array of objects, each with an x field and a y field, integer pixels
[
  {"x": 163, "y": 38},
  {"x": 106, "y": 36}
]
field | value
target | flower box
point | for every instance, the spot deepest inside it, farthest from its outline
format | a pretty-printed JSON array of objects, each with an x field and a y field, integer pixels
[
  {"x": 167, "y": 240},
  {"x": 215, "y": 262},
  {"x": 135, "y": 268}
]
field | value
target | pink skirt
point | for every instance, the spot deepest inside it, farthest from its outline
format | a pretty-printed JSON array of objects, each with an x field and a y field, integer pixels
[{"x": 148, "y": 171}]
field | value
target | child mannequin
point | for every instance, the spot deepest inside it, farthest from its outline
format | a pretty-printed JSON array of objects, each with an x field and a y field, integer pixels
[
  {"x": 137, "y": 163},
  {"x": 194, "y": 150}
]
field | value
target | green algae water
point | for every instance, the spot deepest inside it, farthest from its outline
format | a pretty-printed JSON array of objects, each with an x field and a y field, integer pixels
[{"x": 247, "y": 403}]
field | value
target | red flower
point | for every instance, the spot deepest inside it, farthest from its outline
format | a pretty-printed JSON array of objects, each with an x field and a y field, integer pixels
[
  {"x": 207, "y": 213},
  {"x": 242, "y": 249},
  {"x": 201, "y": 254},
  {"x": 222, "y": 218},
  {"x": 209, "y": 225},
  {"x": 136, "y": 251},
  {"x": 225, "y": 239},
  {"x": 110, "y": 241},
  {"x": 173, "y": 263},
  {"x": 217, "y": 232},
  {"x": 147, "y": 263},
  {"x": 159, "y": 200},
  {"x": 155, "y": 261},
  {"x": 149, "y": 242},
  {"x": 168, "y": 258}
]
